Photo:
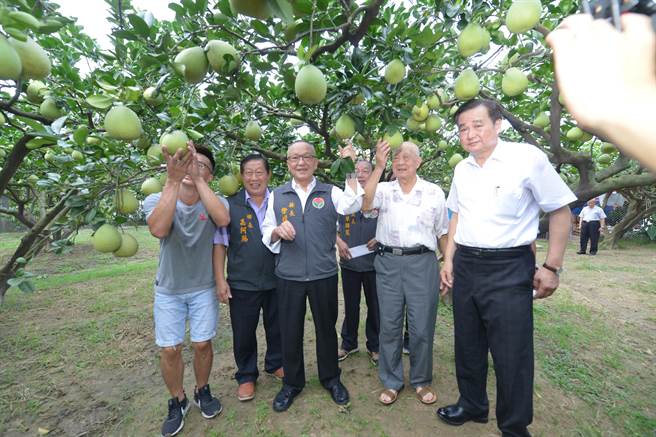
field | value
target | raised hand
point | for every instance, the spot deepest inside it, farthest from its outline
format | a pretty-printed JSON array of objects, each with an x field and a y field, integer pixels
[{"x": 176, "y": 165}]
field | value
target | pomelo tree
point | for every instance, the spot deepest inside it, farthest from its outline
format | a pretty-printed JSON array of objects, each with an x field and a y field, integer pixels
[{"x": 80, "y": 124}]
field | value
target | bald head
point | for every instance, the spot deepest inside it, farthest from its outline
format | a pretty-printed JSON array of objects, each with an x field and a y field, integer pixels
[{"x": 300, "y": 148}]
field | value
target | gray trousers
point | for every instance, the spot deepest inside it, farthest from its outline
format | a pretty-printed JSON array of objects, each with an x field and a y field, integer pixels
[{"x": 412, "y": 281}]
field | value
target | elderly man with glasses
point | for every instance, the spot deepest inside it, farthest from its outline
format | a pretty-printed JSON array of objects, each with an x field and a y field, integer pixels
[{"x": 299, "y": 227}]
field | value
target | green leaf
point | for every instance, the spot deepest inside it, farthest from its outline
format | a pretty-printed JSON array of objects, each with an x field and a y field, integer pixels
[
  {"x": 106, "y": 85},
  {"x": 260, "y": 28},
  {"x": 284, "y": 10},
  {"x": 26, "y": 286},
  {"x": 139, "y": 25},
  {"x": 99, "y": 101}
]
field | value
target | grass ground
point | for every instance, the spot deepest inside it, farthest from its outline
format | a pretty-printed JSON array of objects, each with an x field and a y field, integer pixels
[{"x": 77, "y": 358}]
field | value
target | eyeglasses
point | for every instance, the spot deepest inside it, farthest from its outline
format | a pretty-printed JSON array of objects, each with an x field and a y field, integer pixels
[
  {"x": 255, "y": 174},
  {"x": 297, "y": 158},
  {"x": 202, "y": 166}
]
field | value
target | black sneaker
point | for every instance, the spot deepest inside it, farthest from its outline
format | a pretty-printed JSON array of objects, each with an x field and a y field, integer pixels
[
  {"x": 209, "y": 405},
  {"x": 175, "y": 420}
]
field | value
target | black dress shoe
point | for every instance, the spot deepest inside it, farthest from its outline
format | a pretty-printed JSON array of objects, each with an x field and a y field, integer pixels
[
  {"x": 580, "y": 252},
  {"x": 339, "y": 393},
  {"x": 285, "y": 398},
  {"x": 455, "y": 415}
]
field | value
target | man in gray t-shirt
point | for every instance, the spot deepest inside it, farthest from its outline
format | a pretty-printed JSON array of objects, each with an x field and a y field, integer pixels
[{"x": 184, "y": 217}]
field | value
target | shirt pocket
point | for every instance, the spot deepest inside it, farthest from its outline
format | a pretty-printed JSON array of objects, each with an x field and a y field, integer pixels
[{"x": 508, "y": 201}]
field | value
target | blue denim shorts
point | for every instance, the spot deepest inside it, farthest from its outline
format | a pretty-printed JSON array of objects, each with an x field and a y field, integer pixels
[{"x": 172, "y": 311}]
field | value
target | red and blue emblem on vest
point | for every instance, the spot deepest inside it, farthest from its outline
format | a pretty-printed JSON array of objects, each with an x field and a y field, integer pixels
[
  {"x": 202, "y": 217},
  {"x": 318, "y": 202}
]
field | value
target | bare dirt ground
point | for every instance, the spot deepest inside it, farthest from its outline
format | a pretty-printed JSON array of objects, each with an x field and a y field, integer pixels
[{"x": 79, "y": 360}]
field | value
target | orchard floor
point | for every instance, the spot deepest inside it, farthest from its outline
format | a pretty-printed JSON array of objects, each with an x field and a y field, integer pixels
[{"x": 77, "y": 358}]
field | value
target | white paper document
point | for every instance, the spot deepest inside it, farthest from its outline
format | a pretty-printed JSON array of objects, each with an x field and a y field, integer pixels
[{"x": 361, "y": 250}]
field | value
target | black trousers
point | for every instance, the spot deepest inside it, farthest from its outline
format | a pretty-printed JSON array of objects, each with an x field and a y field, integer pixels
[
  {"x": 351, "y": 283},
  {"x": 590, "y": 230},
  {"x": 493, "y": 310},
  {"x": 322, "y": 295},
  {"x": 245, "y": 309}
]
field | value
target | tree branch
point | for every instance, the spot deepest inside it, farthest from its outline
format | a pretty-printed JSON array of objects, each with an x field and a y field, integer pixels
[{"x": 353, "y": 37}]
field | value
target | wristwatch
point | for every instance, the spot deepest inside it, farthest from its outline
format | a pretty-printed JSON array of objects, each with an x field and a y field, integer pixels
[{"x": 557, "y": 271}]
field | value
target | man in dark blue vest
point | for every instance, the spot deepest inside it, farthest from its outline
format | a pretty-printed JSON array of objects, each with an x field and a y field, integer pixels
[
  {"x": 251, "y": 284},
  {"x": 356, "y": 230},
  {"x": 299, "y": 227}
]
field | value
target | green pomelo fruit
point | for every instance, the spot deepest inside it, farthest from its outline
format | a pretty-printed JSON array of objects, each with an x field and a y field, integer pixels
[
  {"x": 228, "y": 185},
  {"x": 154, "y": 154},
  {"x": 106, "y": 239},
  {"x": 122, "y": 123},
  {"x": 93, "y": 141},
  {"x": 467, "y": 86},
  {"x": 252, "y": 8},
  {"x": 455, "y": 159},
  {"x": 150, "y": 186},
  {"x": 413, "y": 124},
  {"x": 175, "y": 140},
  {"x": 523, "y": 15},
  {"x": 129, "y": 246},
  {"x": 50, "y": 110},
  {"x": 151, "y": 97},
  {"x": 125, "y": 201},
  {"x": 222, "y": 56},
  {"x": 345, "y": 126},
  {"x": 604, "y": 159},
  {"x": 442, "y": 145},
  {"x": 394, "y": 72},
  {"x": 310, "y": 85},
  {"x": 542, "y": 120},
  {"x": 472, "y": 39},
  {"x": 36, "y": 91},
  {"x": 77, "y": 155},
  {"x": 253, "y": 130},
  {"x": 394, "y": 140},
  {"x": 433, "y": 123},
  {"x": 10, "y": 62},
  {"x": 191, "y": 63},
  {"x": 420, "y": 113},
  {"x": 433, "y": 102},
  {"x": 574, "y": 134},
  {"x": 514, "y": 82},
  {"x": 35, "y": 60},
  {"x": 608, "y": 148}
]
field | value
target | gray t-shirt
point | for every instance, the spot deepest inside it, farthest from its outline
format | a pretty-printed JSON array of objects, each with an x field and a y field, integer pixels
[{"x": 185, "y": 255}]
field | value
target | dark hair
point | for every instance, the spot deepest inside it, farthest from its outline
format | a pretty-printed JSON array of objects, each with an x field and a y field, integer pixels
[
  {"x": 254, "y": 157},
  {"x": 205, "y": 151},
  {"x": 493, "y": 109}
]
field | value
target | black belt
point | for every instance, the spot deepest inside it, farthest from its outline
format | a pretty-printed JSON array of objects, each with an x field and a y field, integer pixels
[
  {"x": 486, "y": 252},
  {"x": 399, "y": 251}
]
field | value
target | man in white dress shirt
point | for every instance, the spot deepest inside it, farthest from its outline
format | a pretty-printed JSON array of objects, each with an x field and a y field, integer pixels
[
  {"x": 496, "y": 196},
  {"x": 592, "y": 221},
  {"x": 299, "y": 227},
  {"x": 412, "y": 219}
]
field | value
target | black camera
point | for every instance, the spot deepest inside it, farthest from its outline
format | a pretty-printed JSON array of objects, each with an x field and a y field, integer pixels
[{"x": 612, "y": 9}]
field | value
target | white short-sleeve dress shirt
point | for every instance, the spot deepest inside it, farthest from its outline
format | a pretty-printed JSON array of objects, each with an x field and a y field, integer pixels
[
  {"x": 498, "y": 204},
  {"x": 409, "y": 220},
  {"x": 592, "y": 214}
]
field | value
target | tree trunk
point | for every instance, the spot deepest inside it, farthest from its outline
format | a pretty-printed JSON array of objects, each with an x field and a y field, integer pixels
[
  {"x": 636, "y": 212},
  {"x": 30, "y": 244}
]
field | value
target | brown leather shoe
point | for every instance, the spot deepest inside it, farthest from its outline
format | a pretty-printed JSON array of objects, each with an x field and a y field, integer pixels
[
  {"x": 246, "y": 391},
  {"x": 278, "y": 374}
]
